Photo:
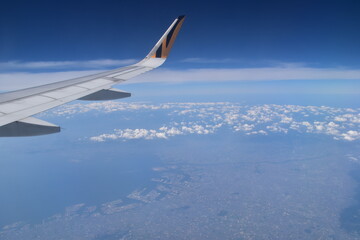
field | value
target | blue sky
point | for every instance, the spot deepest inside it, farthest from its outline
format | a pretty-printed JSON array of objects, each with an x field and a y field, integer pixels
[
  {"x": 265, "y": 67},
  {"x": 311, "y": 40}
]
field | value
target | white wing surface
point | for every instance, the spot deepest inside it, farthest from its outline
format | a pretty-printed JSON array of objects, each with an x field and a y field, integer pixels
[{"x": 17, "y": 107}]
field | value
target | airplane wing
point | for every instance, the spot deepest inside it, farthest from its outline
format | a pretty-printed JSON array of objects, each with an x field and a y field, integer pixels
[{"x": 17, "y": 107}]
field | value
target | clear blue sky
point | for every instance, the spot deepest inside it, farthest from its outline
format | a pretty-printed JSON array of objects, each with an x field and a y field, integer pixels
[{"x": 326, "y": 33}]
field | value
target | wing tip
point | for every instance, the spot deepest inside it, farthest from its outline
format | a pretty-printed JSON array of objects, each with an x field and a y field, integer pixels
[
  {"x": 163, "y": 47},
  {"x": 181, "y": 17}
]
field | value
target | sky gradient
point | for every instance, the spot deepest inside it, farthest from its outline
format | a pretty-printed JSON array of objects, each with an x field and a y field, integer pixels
[
  {"x": 229, "y": 41},
  {"x": 251, "y": 128}
]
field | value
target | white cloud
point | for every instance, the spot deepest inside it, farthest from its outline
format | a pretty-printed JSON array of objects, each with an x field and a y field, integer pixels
[
  {"x": 46, "y": 65},
  {"x": 161, "y": 133},
  {"x": 352, "y": 158},
  {"x": 107, "y": 107},
  {"x": 208, "y": 60},
  {"x": 250, "y": 74},
  {"x": 351, "y": 135},
  {"x": 208, "y": 118},
  {"x": 276, "y": 128},
  {"x": 16, "y": 80},
  {"x": 244, "y": 127},
  {"x": 17, "y": 74}
]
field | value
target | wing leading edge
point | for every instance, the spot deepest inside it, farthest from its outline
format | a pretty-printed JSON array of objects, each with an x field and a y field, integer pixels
[{"x": 17, "y": 107}]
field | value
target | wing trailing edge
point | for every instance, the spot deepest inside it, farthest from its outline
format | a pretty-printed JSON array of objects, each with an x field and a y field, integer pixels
[{"x": 28, "y": 127}]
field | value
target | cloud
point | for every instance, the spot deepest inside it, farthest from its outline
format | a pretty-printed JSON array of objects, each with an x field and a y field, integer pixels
[
  {"x": 209, "y": 118},
  {"x": 249, "y": 74},
  {"x": 46, "y": 65},
  {"x": 16, "y": 75},
  {"x": 208, "y": 60},
  {"x": 16, "y": 80},
  {"x": 129, "y": 134},
  {"x": 107, "y": 107},
  {"x": 243, "y": 62},
  {"x": 161, "y": 133},
  {"x": 351, "y": 135}
]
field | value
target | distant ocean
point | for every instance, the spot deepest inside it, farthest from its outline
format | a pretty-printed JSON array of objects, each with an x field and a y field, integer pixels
[{"x": 37, "y": 184}]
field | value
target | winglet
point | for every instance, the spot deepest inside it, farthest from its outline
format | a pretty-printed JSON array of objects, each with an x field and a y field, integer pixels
[{"x": 163, "y": 46}]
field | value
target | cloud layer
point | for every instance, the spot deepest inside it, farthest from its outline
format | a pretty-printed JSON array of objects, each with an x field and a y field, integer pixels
[
  {"x": 11, "y": 66},
  {"x": 209, "y": 118},
  {"x": 21, "y": 76},
  {"x": 250, "y": 74},
  {"x": 16, "y": 75}
]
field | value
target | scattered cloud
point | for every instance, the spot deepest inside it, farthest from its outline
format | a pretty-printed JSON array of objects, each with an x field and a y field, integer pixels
[
  {"x": 352, "y": 158},
  {"x": 161, "y": 133},
  {"x": 208, "y": 118},
  {"x": 351, "y": 135}
]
